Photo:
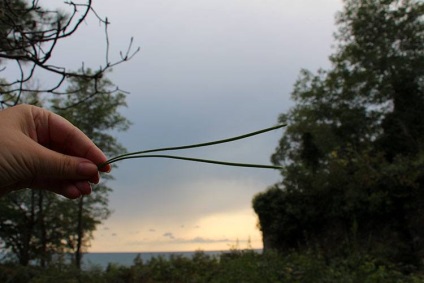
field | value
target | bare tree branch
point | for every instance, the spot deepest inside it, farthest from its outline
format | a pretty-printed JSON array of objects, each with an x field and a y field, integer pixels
[{"x": 28, "y": 37}]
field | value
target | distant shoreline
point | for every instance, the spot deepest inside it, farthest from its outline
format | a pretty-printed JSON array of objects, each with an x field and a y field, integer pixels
[{"x": 103, "y": 259}]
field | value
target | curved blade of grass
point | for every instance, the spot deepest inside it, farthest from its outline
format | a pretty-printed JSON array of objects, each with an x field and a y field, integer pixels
[
  {"x": 139, "y": 153},
  {"x": 200, "y": 160}
]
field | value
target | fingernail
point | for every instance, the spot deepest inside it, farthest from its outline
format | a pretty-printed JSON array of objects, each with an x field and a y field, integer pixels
[
  {"x": 87, "y": 169},
  {"x": 95, "y": 179},
  {"x": 109, "y": 168},
  {"x": 106, "y": 168}
]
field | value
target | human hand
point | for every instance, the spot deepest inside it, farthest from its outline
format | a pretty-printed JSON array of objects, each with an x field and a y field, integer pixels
[{"x": 39, "y": 149}]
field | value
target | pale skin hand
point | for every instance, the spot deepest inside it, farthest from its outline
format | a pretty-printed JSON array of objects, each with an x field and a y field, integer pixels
[{"x": 39, "y": 149}]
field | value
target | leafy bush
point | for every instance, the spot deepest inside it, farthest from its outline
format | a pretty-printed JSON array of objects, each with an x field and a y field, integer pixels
[{"x": 246, "y": 266}]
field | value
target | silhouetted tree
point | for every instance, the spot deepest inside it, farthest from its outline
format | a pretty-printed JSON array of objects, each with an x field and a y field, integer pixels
[{"x": 353, "y": 149}]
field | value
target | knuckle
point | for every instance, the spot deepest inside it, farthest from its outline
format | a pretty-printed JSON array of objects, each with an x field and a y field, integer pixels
[{"x": 65, "y": 166}]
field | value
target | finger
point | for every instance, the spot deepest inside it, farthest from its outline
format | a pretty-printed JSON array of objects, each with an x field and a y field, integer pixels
[
  {"x": 70, "y": 190},
  {"x": 60, "y": 135},
  {"x": 54, "y": 165},
  {"x": 83, "y": 187},
  {"x": 106, "y": 169}
]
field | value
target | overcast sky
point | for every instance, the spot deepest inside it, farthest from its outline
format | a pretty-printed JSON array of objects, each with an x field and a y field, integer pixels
[{"x": 207, "y": 69}]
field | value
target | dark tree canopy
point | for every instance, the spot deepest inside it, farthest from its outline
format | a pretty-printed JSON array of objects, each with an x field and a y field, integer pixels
[{"x": 352, "y": 152}]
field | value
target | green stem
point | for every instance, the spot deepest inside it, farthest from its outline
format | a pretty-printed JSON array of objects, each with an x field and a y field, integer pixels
[
  {"x": 139, "y": 154},
  {"x": 201, "y": 160}
]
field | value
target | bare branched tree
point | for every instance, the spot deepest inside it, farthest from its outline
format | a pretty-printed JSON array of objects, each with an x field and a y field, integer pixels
[{"x": 29, "y": 35}]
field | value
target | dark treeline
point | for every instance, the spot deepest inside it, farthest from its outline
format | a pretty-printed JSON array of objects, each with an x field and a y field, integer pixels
[{"x": 353, "y": 150}]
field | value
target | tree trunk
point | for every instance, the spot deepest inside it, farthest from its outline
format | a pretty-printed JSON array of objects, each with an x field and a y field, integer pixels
[
  {"x": 80, "y": 233},
  {"x": 43, "y": 252}
]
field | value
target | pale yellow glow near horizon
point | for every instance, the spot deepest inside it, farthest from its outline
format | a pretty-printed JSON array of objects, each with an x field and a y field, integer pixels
[{"x": 215, "y": 232}]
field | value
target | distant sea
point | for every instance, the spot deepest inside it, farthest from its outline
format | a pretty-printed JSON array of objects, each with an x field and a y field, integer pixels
[
  {"x": 127, "y": 259},
  {"x": 102, "y": 260}
]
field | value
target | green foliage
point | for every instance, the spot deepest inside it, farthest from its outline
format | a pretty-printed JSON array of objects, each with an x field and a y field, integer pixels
[
  {"x": 15, "y": 14},
  {"x": 25, "y": 29},
  {"x": 35, "y": 225},
  {"x": 96, "y": 114},
  {"x": 233, "y": 266},
  {"x": 353, "y": 149},
  {"x": 23, "y": 228}
]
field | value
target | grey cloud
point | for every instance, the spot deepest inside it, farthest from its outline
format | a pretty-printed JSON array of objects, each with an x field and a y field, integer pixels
[
  {"x": 178, "y": 88},
  {"x": 208, "y": 241},
  {"x": 197, "y": 240},
  {"x": 169, "y": 235}
]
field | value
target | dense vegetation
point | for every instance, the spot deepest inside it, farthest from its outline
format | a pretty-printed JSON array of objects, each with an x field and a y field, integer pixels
[
  {"x": 353, "y": 150},
  {"x": 233, "y": 266}
]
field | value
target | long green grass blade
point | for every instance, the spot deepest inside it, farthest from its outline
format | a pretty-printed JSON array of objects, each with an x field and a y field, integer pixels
[
  {"x": 141, "y": 154},
  {"x": 201, "y": 160}
]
